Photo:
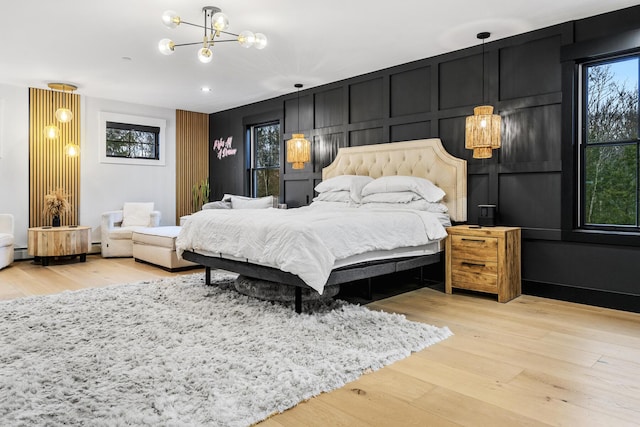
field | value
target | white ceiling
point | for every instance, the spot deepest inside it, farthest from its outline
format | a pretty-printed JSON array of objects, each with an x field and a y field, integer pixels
[{"x": 109, "y": 48}]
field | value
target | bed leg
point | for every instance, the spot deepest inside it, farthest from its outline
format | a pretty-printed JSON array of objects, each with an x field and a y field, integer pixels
[
  {"x": 207, "y": 276},
  {"x": 421, "y": 275},
  {"x": 298, "y": 297},
  {"x": 369, "y": 289}
]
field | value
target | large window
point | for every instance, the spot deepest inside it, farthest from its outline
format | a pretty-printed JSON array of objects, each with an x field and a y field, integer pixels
[
  {"x": 265, "y": 159},
  {"x": 609, "y": 145}
]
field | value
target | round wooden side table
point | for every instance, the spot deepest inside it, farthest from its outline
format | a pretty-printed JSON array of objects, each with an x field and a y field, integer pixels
[{"x": 48, "y": 242}]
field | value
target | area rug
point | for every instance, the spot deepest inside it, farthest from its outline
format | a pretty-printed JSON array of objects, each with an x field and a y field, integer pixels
[{"x": 177, "y": 352}]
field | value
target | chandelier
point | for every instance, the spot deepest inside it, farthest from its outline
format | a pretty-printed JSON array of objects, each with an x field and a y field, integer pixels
[
  {"x": 215, "y": 24},
  {"x": 482, "y": 130},
  {"x": 63, "y": 114}
]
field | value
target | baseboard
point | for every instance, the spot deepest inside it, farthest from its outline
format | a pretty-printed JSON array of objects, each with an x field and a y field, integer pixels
[{"x": 598, "y": 298}]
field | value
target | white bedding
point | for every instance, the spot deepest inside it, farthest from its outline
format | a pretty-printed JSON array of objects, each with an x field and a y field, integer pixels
[{"x": 306, "y": 241}]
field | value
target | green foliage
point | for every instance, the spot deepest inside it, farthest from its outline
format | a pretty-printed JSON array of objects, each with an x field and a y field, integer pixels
[{"x": 200, "y": 194}]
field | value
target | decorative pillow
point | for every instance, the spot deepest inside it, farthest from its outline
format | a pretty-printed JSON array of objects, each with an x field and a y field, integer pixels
[
  {"x": 392, "y": 197},
  {"x": 136, "y": 214},
  {"x": 396, "y": 183},
  {"x": 352, "y": 183},
  {"x": 418, "y": 205},
  {"x": 248, "y": 203},
  {"x": 334, "y": 196},
  {"x": 217, "y": 205}
]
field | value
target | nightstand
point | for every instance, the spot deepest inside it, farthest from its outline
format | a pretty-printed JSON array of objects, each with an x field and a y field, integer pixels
[{"x": 484, "y": 259}]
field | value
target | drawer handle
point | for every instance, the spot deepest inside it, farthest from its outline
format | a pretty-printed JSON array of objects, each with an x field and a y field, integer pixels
[
  {"x": 473, "y": 264},
  {"x": 473, "y": 240}
]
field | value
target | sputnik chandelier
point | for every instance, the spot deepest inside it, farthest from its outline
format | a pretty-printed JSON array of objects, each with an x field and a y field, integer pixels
[{"x": 215, "y": 24}]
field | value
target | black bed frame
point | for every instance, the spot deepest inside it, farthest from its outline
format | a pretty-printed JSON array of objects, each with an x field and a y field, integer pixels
[{"x": 342, "y": 275}]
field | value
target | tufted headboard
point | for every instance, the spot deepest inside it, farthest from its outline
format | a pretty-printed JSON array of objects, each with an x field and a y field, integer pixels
[{"x": 424, "y": 158}]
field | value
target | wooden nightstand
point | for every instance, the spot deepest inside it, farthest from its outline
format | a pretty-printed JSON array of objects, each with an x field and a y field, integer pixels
[{"x": 484, "y": 259}]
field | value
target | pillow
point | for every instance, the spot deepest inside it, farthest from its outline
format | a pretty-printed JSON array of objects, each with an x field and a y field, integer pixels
[
  {"x": 352, "y": 183},
  {"x": 392, "y": 197},
  {"x": 217, "y": 205},
  {"x": 248, "y": 203},
  {"x": 418, "y": 205},
  {"x": 395, "y": 183},
  {"x": 136, "y": 214},
  {"x": 334, "y": 196}
]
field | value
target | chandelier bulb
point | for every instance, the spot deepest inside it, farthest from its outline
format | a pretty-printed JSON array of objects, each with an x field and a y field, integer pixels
[
  {"x": 72, "y": 150},
  {"x": 51, "y": 132},
  {"x": 166, "y": 46},
  {"x": 261, "y": 41},
  {"x": 170, "y": 18},
  {"x": 205, "y": 55},
  {"x": 219, "y": 22},
  {"x": 246, "y": 39},
  {"x": 64, "y": 115}
]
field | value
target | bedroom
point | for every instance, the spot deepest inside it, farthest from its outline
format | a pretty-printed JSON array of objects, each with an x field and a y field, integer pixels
[{"x": 594, "y": 271}]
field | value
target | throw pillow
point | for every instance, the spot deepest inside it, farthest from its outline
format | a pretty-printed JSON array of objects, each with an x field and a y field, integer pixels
[{"x": 136, "y": 214}]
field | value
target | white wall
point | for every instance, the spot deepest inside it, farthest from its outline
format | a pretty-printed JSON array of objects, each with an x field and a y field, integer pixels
[
  {"x": 103, "y": 186},
  {"x": 106, "y": 186},
  {"x": 14, "y": 158}
]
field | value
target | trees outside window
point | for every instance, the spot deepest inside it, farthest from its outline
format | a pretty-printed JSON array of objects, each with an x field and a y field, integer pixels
[
  {"x": 265, "y": 160},
  {"x": 132, "y": 141},
  {"x": 610, "y": 144}
]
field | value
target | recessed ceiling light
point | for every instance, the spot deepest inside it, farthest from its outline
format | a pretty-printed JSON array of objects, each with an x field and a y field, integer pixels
[{"x": 205, "y": 89}]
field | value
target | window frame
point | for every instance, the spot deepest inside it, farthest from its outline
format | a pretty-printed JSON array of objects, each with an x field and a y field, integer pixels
[
  {"x": 583, "y": 145},
  {"x": 252, "y": 169},
  {"x": 571, "y": 56},
  {"x": 134, "y": 121}
]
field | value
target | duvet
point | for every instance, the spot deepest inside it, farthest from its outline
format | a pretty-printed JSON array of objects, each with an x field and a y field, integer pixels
[{"x": 305, "y": 241}]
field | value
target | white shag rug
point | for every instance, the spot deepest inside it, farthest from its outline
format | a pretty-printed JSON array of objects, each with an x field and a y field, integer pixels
[{"x": 177, "y": 352}]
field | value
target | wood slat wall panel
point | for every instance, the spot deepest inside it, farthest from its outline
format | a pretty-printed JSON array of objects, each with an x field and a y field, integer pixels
[
  {"x": 49, "y": 168},
  {"x": 192, "y": 157}
]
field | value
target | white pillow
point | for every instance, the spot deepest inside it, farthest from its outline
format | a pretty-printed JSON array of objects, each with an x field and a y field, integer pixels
[
  {"x": 136, "y": 214},
  {"x": 217, "y": 205},
  {"x": 245, "y": 203},
  {"x": 418, "y": 205},
  {"x": 352, "y": 183},
  {"x": 334, "y": 196},
  {"x": 392, "y": 197},
  {"x": 396, "y": 183}
]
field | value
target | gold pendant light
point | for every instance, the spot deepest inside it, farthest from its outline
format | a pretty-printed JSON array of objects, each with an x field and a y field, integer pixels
[
  {"x": 298, "y": 147},
  {"x": 482, "y": 130}
]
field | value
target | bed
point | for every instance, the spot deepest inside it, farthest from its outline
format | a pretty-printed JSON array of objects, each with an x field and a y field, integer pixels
[{"x": 283, "y": 229}]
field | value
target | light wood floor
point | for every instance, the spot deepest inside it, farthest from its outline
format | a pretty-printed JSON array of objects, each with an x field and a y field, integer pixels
[{"x": 532, "y": 361}]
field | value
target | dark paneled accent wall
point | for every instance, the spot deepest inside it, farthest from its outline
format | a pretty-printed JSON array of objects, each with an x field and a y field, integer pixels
[{"x": 523, "y": 79}]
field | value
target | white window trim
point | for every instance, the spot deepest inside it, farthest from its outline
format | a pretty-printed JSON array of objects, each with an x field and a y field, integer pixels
[{"x": 135, "y": 120}]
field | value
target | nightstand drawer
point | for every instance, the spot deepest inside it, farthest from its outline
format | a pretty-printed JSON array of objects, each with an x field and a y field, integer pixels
[
  {"x": 474, "y": 248},
  {"x": 475, "y": 275}
]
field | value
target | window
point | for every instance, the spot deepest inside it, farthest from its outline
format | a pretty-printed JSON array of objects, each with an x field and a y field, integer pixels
[
  {"x": 265, "y": 159},
  {"x": 609, "y": 145},
  {"x": 132, "y": 141}
]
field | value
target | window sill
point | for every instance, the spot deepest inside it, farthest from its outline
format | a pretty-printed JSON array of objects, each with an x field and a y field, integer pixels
[{"x": 603, "y": 237}]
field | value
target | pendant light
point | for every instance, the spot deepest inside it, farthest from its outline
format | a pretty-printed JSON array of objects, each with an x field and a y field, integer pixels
[
  {"x": 482, "y": 130},
  {"x": 298, "y": 147}
]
